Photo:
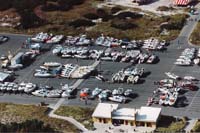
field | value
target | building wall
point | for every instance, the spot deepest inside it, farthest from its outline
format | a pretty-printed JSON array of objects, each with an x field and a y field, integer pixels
[
  {"x": 146, "y": 124},
  {"x": 125, "y": 122},
  {"x": 102, "y": 120}
]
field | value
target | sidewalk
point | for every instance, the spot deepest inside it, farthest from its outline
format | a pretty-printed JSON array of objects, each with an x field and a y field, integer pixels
[
  {"x": 190, "y": 125},
  {"x": 109, "y": 128}
]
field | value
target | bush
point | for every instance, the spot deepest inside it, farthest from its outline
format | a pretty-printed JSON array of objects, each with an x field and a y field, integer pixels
[
  {"x": 27, "y": 126},
  {"x": 115, "y": 9},
  {"x": 5, "y": 5},
  {"x": 67, "y": 4},
  {"x": 176, "y": 22},
  {"x": 81, "y": 23},
  {"x": 196, "y": 128},
  {"x": 91, "y": 16},
  {"x": 123, "y": 25},
  {"x": 21, "y": 5},
  {"x": 50, "y": 7},
  {"x": 29, "y": 19},
  {"x": 101, "y": 12},
  {"x": 124, "y": 15},
  {"x": 164, "y": 8}
]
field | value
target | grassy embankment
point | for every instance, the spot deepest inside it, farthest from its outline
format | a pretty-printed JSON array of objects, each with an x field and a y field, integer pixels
[
  {"x": 170, "y": 124},
  {"x": 82, "y": 115},
  {"x": 195, "y": 36},
  {"x": 20, "y": 113},
  {"x": 146, "y": 26}
]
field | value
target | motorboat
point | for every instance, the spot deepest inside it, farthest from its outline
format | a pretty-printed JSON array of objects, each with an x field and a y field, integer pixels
[
  {"x": 197, "y": 61},
  {"x": 57, "y": 49},
  {"x": 54, "y": 93},
  {"x": 172, "y": 75},
  {"x": 83, "y": 41},
  {"x": 133, "y": 79},
  {"x": 22, "y": 87},
  {"x": 118, "y": 91},
  {"x": 96, "y": 92},
  {"x": 66, "y": 56},
  {"x": 118, "y": 98},
  {"x": 85, "y": 92},
  {"x": 67, "y": 90},
  {"x": 100, "y": 40},
  {"x": 3, "y": 39},
  {"x": 15, "y": 88},
  {"x": 190, "y": 78},
  {"x": 40, "y": 92},
  {"x": 55, "y": 39},
  {"x": 100, "y": 77},
  {"x": 30, "y": 87},
  {"x": 9, "y": 87},
  {"x": 104, "y": 95},
  {"x": 152, "y": 59},
  {"x": 106, "y": 58},
  {"x": 52, "y": 64},
  {"x": 43, "y": 74},
  {"x": 40, "y": 37},
  {"x": 15, "y": 66},
  {"x": 128, "y": 92}
]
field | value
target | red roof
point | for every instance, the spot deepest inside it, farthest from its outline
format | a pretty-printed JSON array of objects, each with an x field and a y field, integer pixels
[{"x": 181, "y": 2}]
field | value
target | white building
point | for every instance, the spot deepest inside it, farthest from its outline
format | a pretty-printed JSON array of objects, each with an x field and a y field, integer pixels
[{"x": 111, "y": 113}]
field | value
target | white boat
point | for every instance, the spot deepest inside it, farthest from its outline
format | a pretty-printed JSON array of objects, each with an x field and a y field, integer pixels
[
  {"x": 66, "y": 56},
  {"x": 30, "y": 87},
  {"x": 128, "y": 92},
  {"x": 96, "y": 92},
  {"x": 81, "y": 56},
  {"x": 43, "y": 74},
  {"x": 54, "y": 93},
  {"x": 57, "y": 49},
  {"x": 197, "y": 61},
  {"x": 117, "y": 98},
  {"x": 16, "y": 66},
  {"x": 21, "y": 87},
  {"x": 52, "y": 64},
  {"x": 172, "y": 75},
  {"x": 152, "y": 59},
  {"x": 40, "y": 93},
  {"x": 191, "y": 78},
  {"x": 118, "y": 91}
]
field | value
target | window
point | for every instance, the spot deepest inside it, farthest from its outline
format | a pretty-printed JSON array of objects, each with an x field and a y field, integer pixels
[{"x": 149, "y": 124}]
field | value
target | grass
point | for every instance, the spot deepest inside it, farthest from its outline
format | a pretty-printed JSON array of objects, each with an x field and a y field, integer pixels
[
  {"x": 195, "y": 36},
  {"x": 148, "y": 26},
  {"x": 83, "y": 115},
  {"x": 20, "y": 113},
  {"x": 170, "y": 124},
  {"x": 196, "y": 128}
]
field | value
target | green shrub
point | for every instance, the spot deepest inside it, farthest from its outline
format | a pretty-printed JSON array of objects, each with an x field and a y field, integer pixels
[
  {"x": 81, "y": 23},
  {"x": 123, "y": 25},
  {"x": 124, "y": 15},
  {"x": 91, "y": 16},
  {"x": 115, "y": 9},
  {"x": 196, "y": 128},
  {"x": 5, "y": 5},
  {"x": 164, "y": 8},
  {"x": 50, "y": 7},
  {"x": 27, "y": 126},
  {"x": 176, "y": 22},
  {"x": 67, "y": 4}
]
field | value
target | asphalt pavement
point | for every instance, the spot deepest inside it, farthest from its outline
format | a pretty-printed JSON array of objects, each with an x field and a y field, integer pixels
[{"x": 143, "y": 90}]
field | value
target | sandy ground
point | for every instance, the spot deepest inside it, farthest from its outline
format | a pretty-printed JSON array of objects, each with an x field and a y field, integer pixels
[{"x": 151, "y": 7}]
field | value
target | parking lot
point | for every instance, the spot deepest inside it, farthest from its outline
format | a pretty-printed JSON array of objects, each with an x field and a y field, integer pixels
[{"x": 143, "y": 90}]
